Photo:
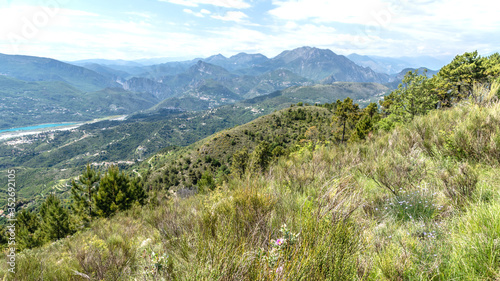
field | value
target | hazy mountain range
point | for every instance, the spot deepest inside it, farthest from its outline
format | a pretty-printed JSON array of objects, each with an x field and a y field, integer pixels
[
  {"x": 42, "y": 90},
  {"x": 395, "y": 65}
]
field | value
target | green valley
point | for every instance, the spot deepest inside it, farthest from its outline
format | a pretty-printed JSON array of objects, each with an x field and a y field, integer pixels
[
  {"x": 253, "y": 178},
  {"x": 29, "y": 103}
]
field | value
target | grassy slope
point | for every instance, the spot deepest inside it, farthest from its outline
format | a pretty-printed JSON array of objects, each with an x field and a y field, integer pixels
[
  {"x": 46, "y": 162},
  {"x": 337, "y": 199},
  {"x": 56, "y": 158},
  {"x": 280, "y": 128}
]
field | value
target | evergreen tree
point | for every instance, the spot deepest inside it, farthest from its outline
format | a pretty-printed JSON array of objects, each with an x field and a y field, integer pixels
[
  {"x": 369, "y": 117},
  {"x": 27, "y": 229},
  {"x": 83, "y": 193},
  {"x": 117, "y": 192},
  {"x": 278, "y": 151},
  {"x": 413, "y": 97},
  {"x": 363, "y": 127},
  {"x": 206, "y": 183},
  {"x": 55, "y": 219},
  {"x": 492, "y": 67},
  {"x": 138, "y": 193},
  {"x": 346, "y": 114},
  {"x": 456, "y": 79},
  {"x": 113, "y": 194},
  {"x": 386, "y": 103},
  {"x": 240, "y": 162},
  {"x": 261, "y": 157},
  {"x": 371, "y": 110}
]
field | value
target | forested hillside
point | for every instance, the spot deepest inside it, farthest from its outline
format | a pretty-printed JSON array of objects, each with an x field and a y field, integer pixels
[
  {"x": 330, "y": 191},
  {"x": 56, "y": 157}
]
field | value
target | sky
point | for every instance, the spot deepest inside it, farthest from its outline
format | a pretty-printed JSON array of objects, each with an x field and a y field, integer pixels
[{"x": 184, "y": 29}]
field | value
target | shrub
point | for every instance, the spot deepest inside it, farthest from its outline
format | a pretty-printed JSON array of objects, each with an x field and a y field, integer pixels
[
  {"x": 108, "y": 259},
  {"x": 459, "y": 183}
]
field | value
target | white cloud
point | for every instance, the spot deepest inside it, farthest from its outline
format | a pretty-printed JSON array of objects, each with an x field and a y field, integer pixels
[
  {"x": 189, "y": 11},
  {"x": 325, "y": 10},
  {"x": 412, "y": 28},
  {"x": 235, "y": 4},
  {"x": 235, "y": 16},
  {"x": 446, "y": 15},
  {"x": 24, "y": 24},
  {"x": 142, "y": 15},
  {"x": 182, "y": 2}
]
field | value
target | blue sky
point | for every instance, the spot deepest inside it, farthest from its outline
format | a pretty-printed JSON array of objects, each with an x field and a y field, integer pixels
[{"x": 128, "y": 29}]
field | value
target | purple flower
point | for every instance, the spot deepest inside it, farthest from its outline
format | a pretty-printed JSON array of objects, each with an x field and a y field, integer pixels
[{"x": 279, "y": 242}]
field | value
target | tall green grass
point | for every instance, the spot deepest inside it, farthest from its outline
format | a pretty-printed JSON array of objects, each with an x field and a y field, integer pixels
[{"x": 418, "y": 203}]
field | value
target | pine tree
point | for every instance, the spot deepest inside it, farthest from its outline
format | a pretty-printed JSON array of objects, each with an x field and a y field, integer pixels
[
  {"x": 456, "y": 79},
  {"x": 240, "y": 162},
  {"x": 492, "y": 65},
  {"x": 261, "y": 157},
  {"x": 28, "y": 224},
  {"x": 55, "y": 219},
  {"x": 413, "y": 97},
  {"x": 138, "y": 193},
  {"x": 117, "y": 192},
  {"x": 113, "y": 193},
  {"x": 369, "y": 117},
  {"x": 83, "y": 193},
  {"x": 346, "y": 113},
  {"x": 206, "y": 182}
]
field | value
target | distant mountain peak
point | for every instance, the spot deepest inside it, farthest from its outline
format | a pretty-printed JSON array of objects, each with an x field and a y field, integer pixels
[
  {"x": 218, "y": 56},
  {"x": 204, "y": 64},
  {"x": 204, "y": 68},
  {"x": 245, "y": 55},
  {"x": 306, "y": 53},
  {"x": 201, "y": 66},
  {"x": 319, "y": 64}
]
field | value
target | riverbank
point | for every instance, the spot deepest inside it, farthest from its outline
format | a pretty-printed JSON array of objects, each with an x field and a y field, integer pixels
[{"x": 40, "y": 128}]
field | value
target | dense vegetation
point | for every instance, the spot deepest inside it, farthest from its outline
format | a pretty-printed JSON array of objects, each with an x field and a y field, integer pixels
[
  {"x": 409, "y": 193},
  {"x": 47, "y": 162}
]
